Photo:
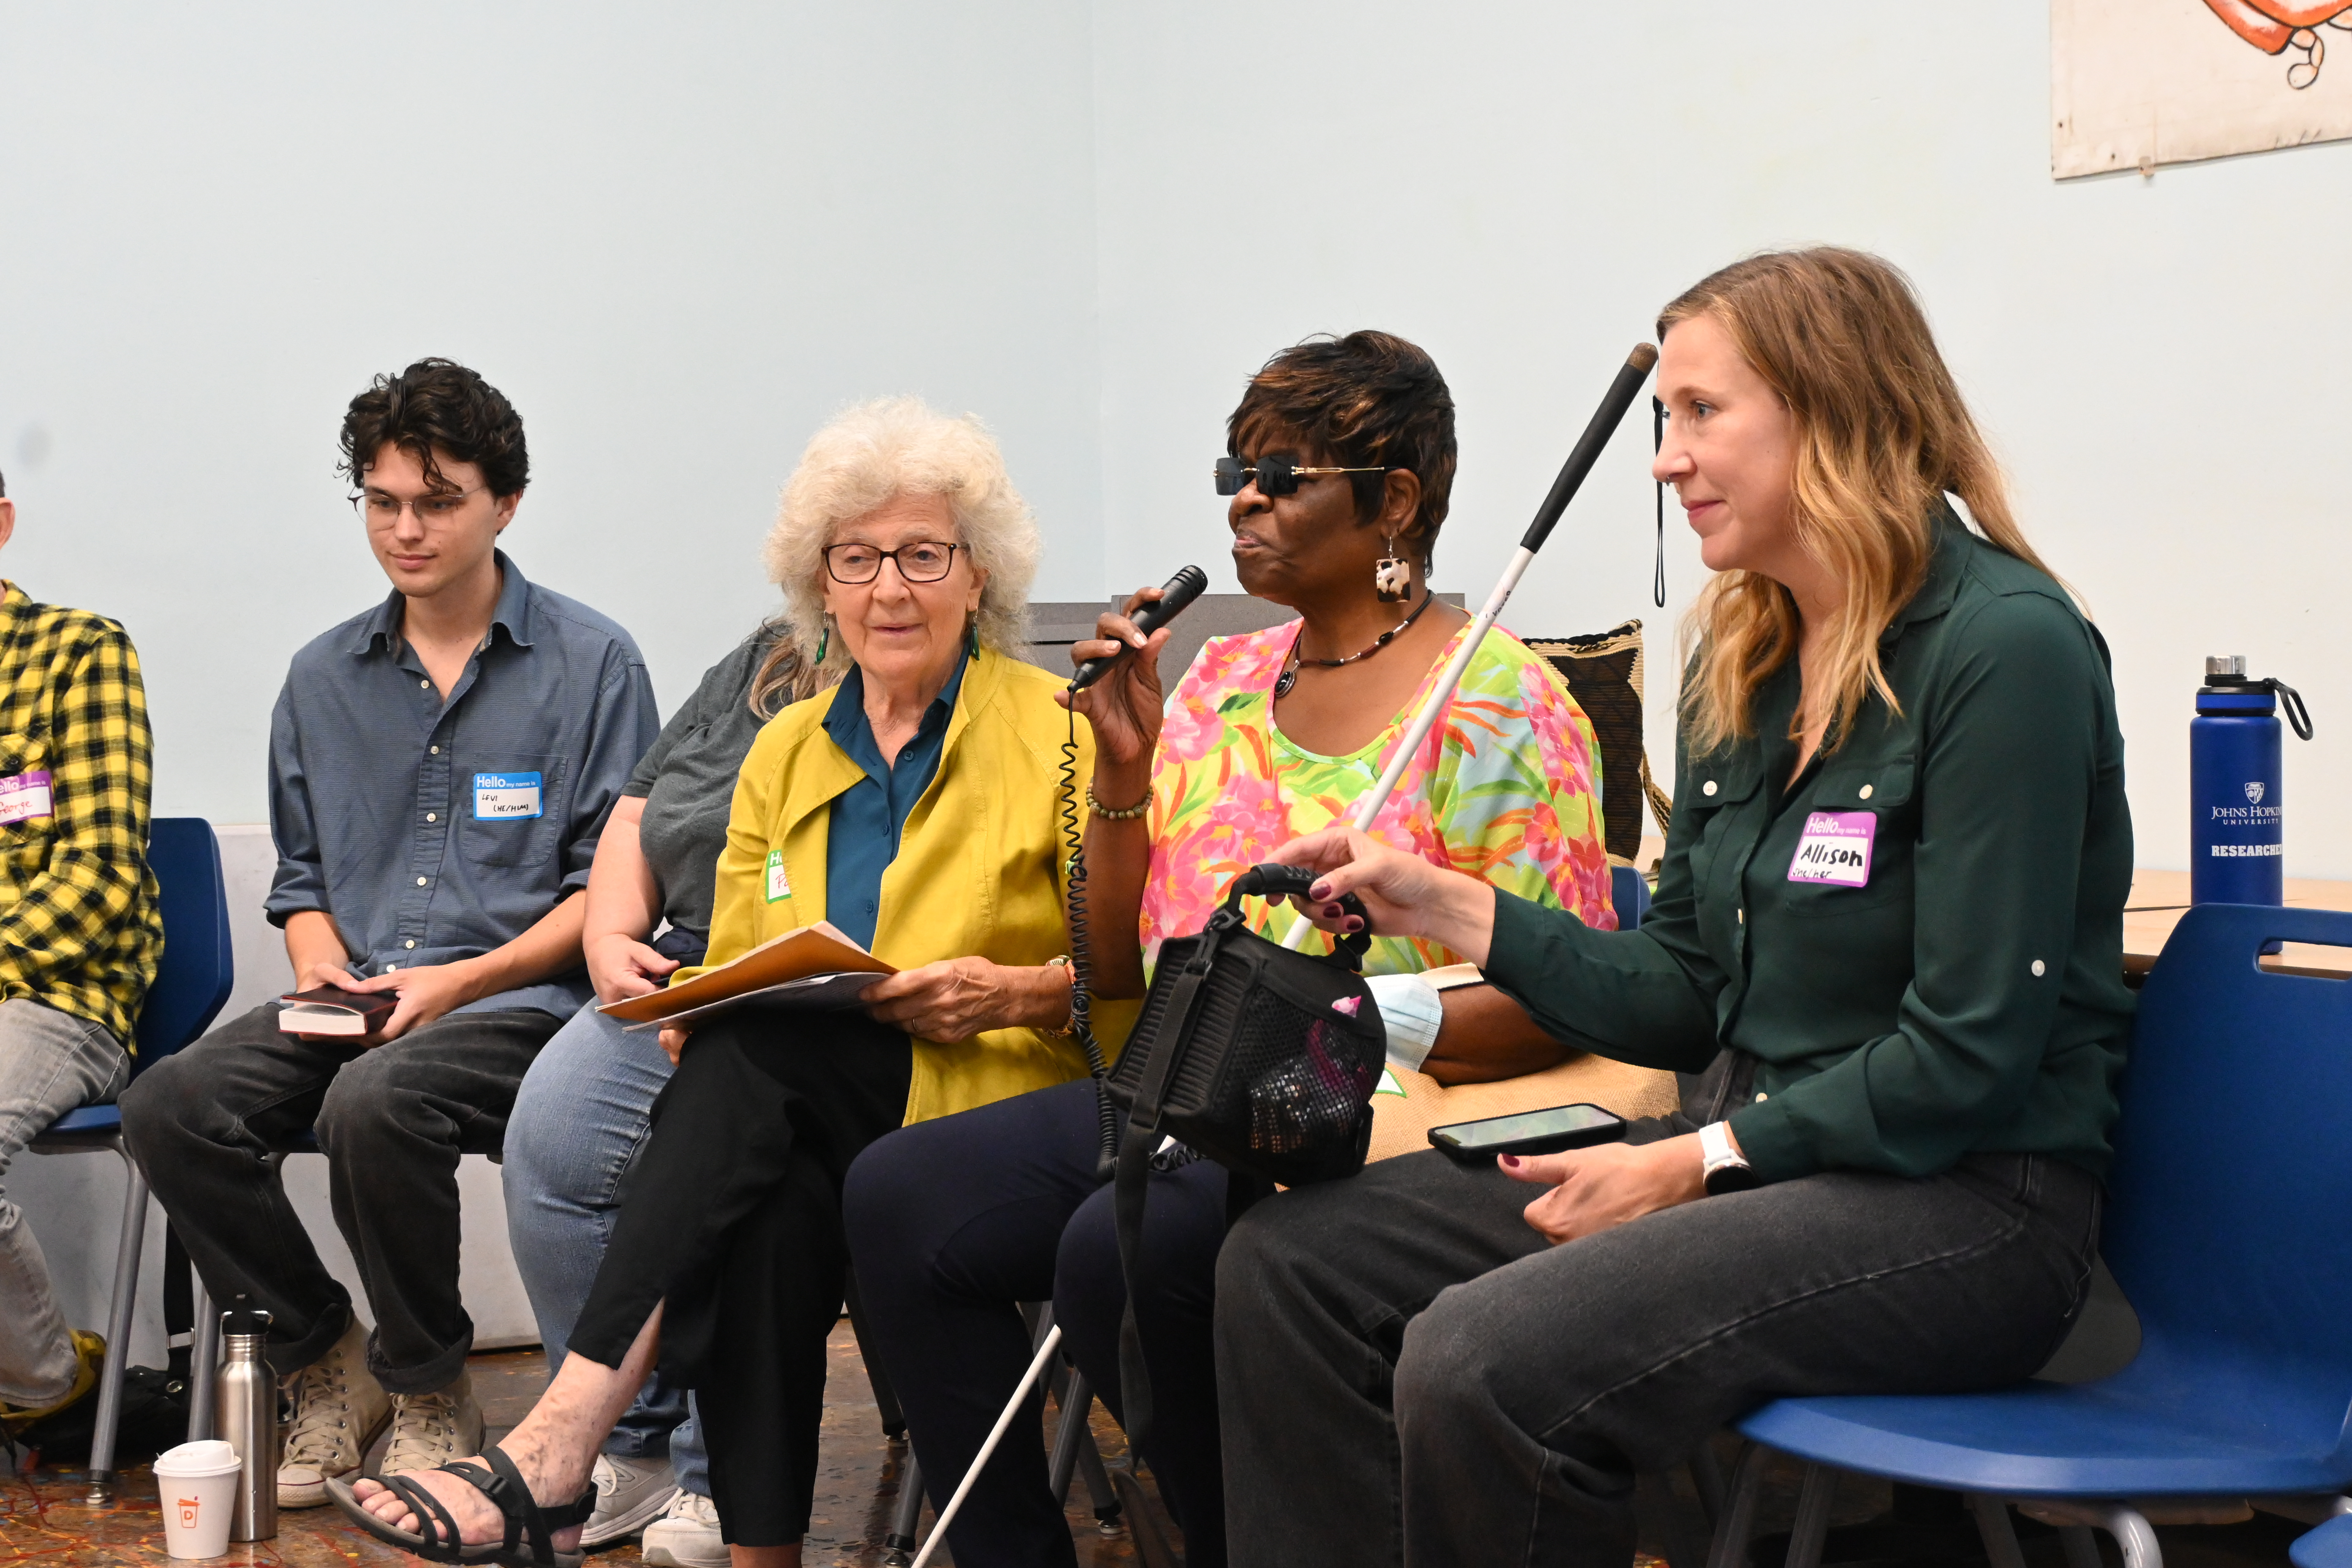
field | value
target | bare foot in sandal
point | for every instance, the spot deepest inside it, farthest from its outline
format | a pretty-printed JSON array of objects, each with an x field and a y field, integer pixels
[{"x": 552, "y": 1479}]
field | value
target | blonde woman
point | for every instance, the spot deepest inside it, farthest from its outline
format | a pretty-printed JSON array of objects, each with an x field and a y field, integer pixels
[
  {"x": 1888, "y": 934},
  {"x": 912, "y": 807}
]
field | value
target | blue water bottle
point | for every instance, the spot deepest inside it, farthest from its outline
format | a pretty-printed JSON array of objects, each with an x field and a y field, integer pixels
[{"x": 2236, "y": 838}]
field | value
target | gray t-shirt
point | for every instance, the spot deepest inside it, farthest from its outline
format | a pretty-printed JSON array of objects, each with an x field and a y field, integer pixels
[{"x": 688, "y": 782}]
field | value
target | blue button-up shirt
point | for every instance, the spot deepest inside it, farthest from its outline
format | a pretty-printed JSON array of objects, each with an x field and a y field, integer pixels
[
  {"x": 862, "y": 833},
  {"x": 435, "y": 831}
]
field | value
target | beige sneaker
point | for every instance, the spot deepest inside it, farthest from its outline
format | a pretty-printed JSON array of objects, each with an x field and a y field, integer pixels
[
  {"x": 339, "y": 1408},
  {"x": 431, "y": 1429}
]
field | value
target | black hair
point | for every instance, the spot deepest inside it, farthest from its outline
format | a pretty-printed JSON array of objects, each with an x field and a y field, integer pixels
[
  {"x": 1367, "y": 400},
  {"x": 437, "y": 404}
]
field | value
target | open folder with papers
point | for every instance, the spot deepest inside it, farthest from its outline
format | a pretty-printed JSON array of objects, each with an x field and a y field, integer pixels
[{"x": 815, "y": 969}]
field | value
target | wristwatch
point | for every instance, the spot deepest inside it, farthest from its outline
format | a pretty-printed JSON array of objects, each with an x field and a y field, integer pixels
[{"x": 1727, "y": 1170}]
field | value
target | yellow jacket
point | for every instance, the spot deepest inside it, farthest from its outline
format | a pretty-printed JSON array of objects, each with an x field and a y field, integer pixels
[{"x": 978, "y": 872}]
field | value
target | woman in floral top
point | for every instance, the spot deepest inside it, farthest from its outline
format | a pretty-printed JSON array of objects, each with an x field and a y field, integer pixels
[{"x": 1341, "y": 459}]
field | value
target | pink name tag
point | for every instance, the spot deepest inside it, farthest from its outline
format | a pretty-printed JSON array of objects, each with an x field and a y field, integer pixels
[
  {"x": 24, "y": 797},
  {"x": 1835, "y": 849}
]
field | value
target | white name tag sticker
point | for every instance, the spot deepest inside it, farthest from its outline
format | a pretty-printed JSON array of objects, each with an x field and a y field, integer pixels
[
  {"x": 779, "y": 886},
  {"x": 24, "y": 797},
  {"x": 1835, "y": 849},
  {"x": 500, "y": 796}
]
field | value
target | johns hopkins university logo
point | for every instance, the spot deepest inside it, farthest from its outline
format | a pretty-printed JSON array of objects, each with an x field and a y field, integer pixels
[{"x": 2254, "y": 792}]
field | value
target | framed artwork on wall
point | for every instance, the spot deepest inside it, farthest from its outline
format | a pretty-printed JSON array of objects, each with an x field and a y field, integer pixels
[{"x": 2136, "y": 83}]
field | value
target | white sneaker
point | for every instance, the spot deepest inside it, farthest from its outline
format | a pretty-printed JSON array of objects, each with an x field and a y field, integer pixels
[
  {"x": 629, "y": 1493},
  {"x": 686, "y": 1536},
  {"x": 431, "y": 1429},
  {"x": 339, "y": 1408}
]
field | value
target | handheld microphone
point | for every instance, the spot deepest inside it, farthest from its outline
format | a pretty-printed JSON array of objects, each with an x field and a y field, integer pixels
[{"x": 1174, "y": 594}]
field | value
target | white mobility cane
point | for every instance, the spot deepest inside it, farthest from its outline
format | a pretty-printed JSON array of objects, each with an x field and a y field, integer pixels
[
  {"x": 996, "y": 1435},
  {"x": 1605, "y": 420}
]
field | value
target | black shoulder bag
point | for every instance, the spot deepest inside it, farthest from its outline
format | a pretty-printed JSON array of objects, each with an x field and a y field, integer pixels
[{"x": 1258, "y": 1057}]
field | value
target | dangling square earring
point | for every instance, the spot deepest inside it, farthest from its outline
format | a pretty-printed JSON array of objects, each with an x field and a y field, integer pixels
[{"x": 1392, "y": 578}]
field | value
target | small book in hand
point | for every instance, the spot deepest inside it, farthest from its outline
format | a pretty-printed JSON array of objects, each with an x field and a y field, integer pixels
[{"x": 331, "y": 1010}]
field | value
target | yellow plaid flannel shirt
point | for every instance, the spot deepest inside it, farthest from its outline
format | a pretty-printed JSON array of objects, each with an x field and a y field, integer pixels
[{"x": 80, "y": 929}]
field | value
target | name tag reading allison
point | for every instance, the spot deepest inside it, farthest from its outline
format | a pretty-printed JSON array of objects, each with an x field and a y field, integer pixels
[
  {"x": 497, "y": 796},
  {"x": 1835, "y": 849},
  {"x": 24, "y": 797}
]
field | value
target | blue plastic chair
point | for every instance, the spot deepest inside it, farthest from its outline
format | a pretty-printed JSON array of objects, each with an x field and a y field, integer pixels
[
  {"x": 192, "y": 981},
  {"x": 2329, "y": 1546},
  {"x": 1629, "y": 890},
  {"x": 2228, "y": 1224}
]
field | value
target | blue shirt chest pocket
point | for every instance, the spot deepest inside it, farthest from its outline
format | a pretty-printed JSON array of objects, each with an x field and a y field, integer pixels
[{"x": 511, "y": 806}]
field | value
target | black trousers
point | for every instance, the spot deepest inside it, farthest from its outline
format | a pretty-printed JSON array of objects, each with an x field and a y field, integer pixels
[
  {"x": 1411, "y": 1376},
  {"x": 953, "y": 1222},
  {"x": 391, "y": 1120},
  {"x": 731, "y": 1218}
]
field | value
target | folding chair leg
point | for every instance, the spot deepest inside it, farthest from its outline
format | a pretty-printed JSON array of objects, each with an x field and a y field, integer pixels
[
  {"x": 203, "y": 1362},
  {"x": 1737, "y": 1524},
  {"x": 898, "y": 1546},
  {"x": 1074, "y": 1453},
  {"x": 1813, "y": 1527},
  {"x": 2077, "y": 1516},
  {"x": 1683, "y": 1549},
  {"x": 1999, "y": 1535},
  {"x": 118, "y": 1332},
  {"x": 1706, "y": 1479},
  {"x": 2082, "y": 1548}
]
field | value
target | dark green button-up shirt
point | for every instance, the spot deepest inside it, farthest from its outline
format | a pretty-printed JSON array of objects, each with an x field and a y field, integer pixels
[{"x": 1963, "y": 992}]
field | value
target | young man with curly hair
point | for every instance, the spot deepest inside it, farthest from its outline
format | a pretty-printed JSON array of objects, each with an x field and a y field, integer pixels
[{"x": 440, "y": 768}]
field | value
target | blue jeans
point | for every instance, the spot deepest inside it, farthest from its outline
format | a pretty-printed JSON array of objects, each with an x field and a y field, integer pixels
[{"x": 580, "y": 1119}]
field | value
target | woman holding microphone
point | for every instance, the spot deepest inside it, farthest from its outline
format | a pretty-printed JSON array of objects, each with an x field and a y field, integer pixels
[{"x": 1888, "y": 934}]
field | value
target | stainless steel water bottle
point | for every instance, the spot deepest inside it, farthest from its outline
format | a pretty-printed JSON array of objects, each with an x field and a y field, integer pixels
[
  {"x": 247, "y": 1413},
  {"x": 2237, "y": 841}
]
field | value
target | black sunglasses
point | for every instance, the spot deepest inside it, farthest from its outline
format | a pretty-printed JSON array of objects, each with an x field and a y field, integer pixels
[{"x": 1274, "y": 475}]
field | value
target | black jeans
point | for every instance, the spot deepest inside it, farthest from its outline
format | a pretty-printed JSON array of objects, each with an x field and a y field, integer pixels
[
  {"x": 1411, "y": 1376},
  {"x": 391, "y": 1120},
  {"x": 731, "y": 1218},
  {"x": 952, "y": 1222}
]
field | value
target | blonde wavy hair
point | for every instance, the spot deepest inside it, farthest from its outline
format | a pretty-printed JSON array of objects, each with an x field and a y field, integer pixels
[
  {"x": 1881, "y": 434},
  {"x": 872, "y": 452}
]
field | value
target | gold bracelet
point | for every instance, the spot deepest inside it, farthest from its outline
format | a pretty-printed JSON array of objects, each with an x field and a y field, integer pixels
[
  {"x": 1071, "y": 1027},
  {"x": 1130, "y": 815}
]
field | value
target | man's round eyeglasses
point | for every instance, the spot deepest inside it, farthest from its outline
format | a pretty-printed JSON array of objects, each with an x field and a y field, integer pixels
[
  {"x": 925, "y": 560},
  {"x": 433, "y": 506}
]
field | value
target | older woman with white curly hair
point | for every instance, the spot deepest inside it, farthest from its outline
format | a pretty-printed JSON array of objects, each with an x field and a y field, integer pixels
[{"x": 913, "y": 809}]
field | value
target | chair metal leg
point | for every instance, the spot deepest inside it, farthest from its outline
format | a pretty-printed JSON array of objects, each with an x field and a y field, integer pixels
[
  {"x": 1812, "y": 1526},
  {"x": 1074, "y": 1453},
  {"x": 118, "y": 1332},
  {"x": 203, "y": 1362},
  {"x": 1737, "y": 1524},
  {"x": 2082, "y": 1547},
  {"x": 2134, "y": 1535},
  {"x": 1683, "y": 1549},
  {"x": 1706, "y": 1479},
  {"x": 898, "y": 1546},
  {"x": 1999, "y": 1535}
]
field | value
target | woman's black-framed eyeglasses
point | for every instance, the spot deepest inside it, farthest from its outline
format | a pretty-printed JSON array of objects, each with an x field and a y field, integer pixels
[
  {"x": 924, "y": 561},
  {"x": 1274, "y": 475}
]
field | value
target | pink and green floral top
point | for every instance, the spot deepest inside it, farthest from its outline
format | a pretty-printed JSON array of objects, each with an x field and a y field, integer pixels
[{"x": 1507, "y": 789}]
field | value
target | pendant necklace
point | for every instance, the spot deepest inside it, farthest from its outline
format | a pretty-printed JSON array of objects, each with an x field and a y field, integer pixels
[{"x": 1290, "y": 666}]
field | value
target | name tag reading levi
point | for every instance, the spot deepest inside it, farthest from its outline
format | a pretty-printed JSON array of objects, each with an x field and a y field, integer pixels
[
  {"x": 1835, "y": 849},
  {"x": 498, "y": 796},
  {"x": 24, "y": 797}
]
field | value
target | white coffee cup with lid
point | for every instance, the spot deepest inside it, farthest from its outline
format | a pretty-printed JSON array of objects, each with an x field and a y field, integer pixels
[{"x": 196, "y": 1483}]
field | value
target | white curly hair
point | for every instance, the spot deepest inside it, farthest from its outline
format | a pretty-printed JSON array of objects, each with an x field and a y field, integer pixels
[{"x": 900, "y": 446}]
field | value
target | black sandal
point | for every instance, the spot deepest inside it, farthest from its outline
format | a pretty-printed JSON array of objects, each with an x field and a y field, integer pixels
[{"x": 437, "y": 1538}]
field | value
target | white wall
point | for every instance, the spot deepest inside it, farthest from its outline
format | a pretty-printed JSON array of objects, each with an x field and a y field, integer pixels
[{"x": 680, "y": 238}]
